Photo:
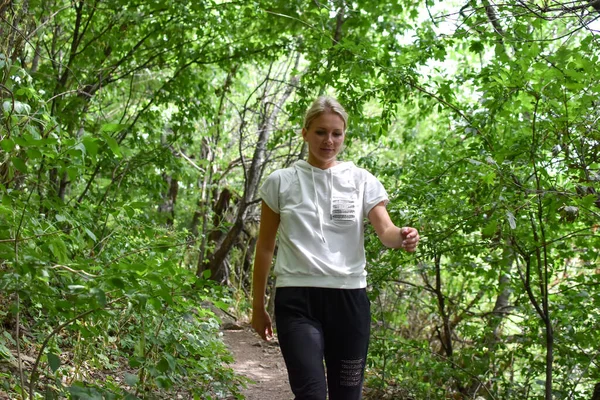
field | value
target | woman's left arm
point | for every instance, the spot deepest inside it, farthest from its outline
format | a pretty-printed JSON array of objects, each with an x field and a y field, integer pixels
[{"x": 390, "y": 235}]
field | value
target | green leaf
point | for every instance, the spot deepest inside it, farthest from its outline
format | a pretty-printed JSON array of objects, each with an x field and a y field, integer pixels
[
  {"x": 489, "y": 178},
  {"x": 155, "y": 303},
  {"x": 5, "y": 352},
  {"x": 7, "y": 251},
  {"x": 135, "y": 361},
  {"x": 90, "y": 234},
  {"x": 140, "y": 347},
  {"x": 129, "y": 211},
  {"x": 91, "y": 146},
  {"x": 164, "y": 382},
  {"x": 59, "y": 249},
  {"x": 489, "y": 229},
  {"x": 33, "y": 153},
  {"x": 163, "y": 365},
  {"x": 53, "y": 362},
  {"x": 222, "y": 305},
  {"x": 476, "y": 47},
  {"x": 171, "y": 360},
  {"x": 7, "y": 145},
  {"x": 131, "y": 379},
  {"x": 114, "y": 146},
  {"x": 73, "y": 173},
  {"x": 99, "y": 295},
  {"x": 589, "y": 200},
  {"x": 166, "y": 295},
  {"x": 19, "y": 164},
  {"x": 113, "y": 127},
  {"x": 118, "y": 282},
  {"x": 78, "y": 150}
]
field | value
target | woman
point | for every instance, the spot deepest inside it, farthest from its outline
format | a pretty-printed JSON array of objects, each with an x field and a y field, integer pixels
[{"x": 321, "y": 306}]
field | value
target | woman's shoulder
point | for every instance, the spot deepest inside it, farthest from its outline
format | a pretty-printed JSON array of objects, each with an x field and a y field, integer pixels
[
  {"x": 281, "y": 178},
  {"x": 282, "y": 173},
  {"x": 359, "y": 174}
]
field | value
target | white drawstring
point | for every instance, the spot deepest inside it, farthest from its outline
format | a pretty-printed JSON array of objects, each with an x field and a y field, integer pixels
[
  {"x": 330, "y": 194},
  {"x": 316, "y": 202}
]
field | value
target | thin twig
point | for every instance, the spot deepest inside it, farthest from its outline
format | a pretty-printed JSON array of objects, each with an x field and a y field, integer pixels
[
  {"x": 17, "y": 233},
  {"x": 17, "y": 334},
  {"x": 17, "y": 239},
  {"x": 430, "y": 16},
  {"x": 81, "y": 273},
  {"x": 78, "y": 91},
  {"x": 30, "y": 36},
  {"x": 169, "y": 245},
  {"x": 12, "y": 110},
  {"x": 186, "y": 158}
]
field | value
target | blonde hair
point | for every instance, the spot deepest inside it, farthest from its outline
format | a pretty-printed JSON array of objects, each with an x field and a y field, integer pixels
[{"x": 322, "y": 105}]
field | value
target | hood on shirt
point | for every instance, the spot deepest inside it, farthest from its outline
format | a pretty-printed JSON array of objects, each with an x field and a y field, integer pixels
[{"x": 337, "y": 169}]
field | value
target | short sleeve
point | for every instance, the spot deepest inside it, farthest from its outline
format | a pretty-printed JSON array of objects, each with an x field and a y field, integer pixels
[
  {"x": 374, "y": 193},
  {"x": 269, "y": 192}
]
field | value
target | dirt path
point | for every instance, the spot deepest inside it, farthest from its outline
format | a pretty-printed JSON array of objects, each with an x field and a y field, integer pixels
[{"x": 261, "y": 362}]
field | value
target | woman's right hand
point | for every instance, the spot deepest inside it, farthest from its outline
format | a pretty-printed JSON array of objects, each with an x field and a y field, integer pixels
[{"x": 261, "y": 322}]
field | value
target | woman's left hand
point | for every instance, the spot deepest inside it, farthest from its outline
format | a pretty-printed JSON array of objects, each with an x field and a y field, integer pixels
[{"x": 410, "y": 238}]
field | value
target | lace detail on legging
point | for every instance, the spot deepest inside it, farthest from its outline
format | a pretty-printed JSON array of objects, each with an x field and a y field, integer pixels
[{"x": 351, "y": 372}]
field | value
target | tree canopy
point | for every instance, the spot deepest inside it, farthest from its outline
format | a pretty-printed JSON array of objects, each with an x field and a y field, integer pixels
[{"x": 135, "y": 134}]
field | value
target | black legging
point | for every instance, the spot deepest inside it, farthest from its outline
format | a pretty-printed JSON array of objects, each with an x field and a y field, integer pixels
[{"x": 316, "y": 324}]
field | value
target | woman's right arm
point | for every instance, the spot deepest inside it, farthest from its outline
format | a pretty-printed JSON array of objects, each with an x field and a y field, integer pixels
[{"x": 265, "y": 247}]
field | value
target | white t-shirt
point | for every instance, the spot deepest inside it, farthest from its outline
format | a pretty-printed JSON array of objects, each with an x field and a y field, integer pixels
[{"x": 321, "y": 231}]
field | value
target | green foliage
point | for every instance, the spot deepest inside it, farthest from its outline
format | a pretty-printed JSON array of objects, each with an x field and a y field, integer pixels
[
  {"x": 100, "y": 287},
  {"x": 127, "y": 138},
  {"x": 506, "y": 200}
]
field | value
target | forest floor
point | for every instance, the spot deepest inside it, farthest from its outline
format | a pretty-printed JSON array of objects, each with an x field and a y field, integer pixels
[{"x": 259, "y": 361}]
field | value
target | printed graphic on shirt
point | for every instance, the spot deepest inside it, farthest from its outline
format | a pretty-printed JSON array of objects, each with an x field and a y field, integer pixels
[{"x": 343, "y": 209}]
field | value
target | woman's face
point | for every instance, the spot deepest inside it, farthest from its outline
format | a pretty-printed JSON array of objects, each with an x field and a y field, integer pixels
[{"x": 325, "y": 136}]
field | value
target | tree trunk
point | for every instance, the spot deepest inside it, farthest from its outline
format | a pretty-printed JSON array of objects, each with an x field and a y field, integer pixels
[
  {"x": 16, "y": 38},
  {"x": 201, "y": 213},
  {"x": 502, "y": 301},
  {"x": 253, "y": 176},
  {"x": 169, "y": 199},
  {"x": 218, "y": 272},
  {"x": 446, "y": 334},
  {"x": 596, "y": 394}
]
